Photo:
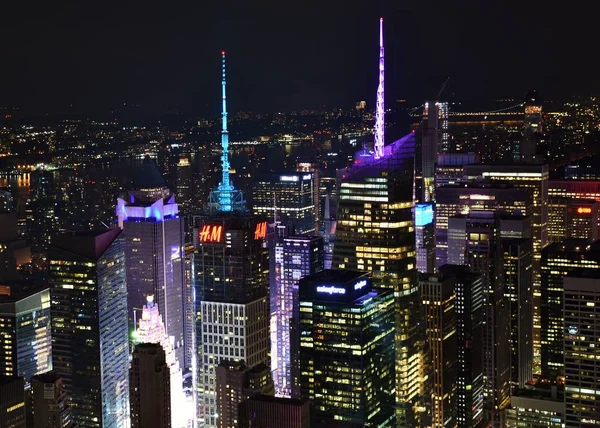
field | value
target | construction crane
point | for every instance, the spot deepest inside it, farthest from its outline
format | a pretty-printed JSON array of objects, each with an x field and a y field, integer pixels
[{"x": 442, "y": 89}]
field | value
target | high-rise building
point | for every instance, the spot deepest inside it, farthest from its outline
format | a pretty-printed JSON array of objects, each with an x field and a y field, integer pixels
[
  {"x": 538, "y": 407},
  {"x": 450, "y": 167},
  {"x": 301, "y": 256},
  {"x": 342, "y": 316},
  {"x": 581, "y": 338},
  {"x": 150, "y": 389},
  {"x": 50, "y": 402},
  {"x": 151, "y": 329},
  {"x": 314, "y": 169},
  {"x": 439, "y": 302},
  {"x": 434, "y": 140},
  {"x": 12, "y": 402},
  {"x": 264, "y": 411},
  {"x": 235, "y": 384},
  {"x": 534, "y": 177},
  {"x": 25, "y": 332},
  {"x": 89, "y": 325},
  {"x": 286, "y": 197},
  {"x": 572, "y": 218},
  {"x": 425, "y": 238},
  {"x": 468, "y": 288},
  {"x": 185, "y": 185},
  {"x": 154, "y": 258},
  {"x": 452, "y": 200},
  {"x": 230, "y": 272},
  {"x": 558, "y": 260},
  {"x": 532, "y": 129}
]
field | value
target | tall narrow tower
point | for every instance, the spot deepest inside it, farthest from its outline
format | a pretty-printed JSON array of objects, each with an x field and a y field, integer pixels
[
  {"x": 380, "y": 109},
  {"x": 225, "y": 197}
]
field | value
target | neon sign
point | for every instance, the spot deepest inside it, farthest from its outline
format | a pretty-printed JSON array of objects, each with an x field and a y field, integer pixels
[
  {"x": 360, "y": 284},
  {"x": 211, "y": 233},
  {"x": 288, "y": 178},
  {"x": 330, "y": 289},
  {"x": 261, "y": 230},
  {"x": 584, "y": 210}
]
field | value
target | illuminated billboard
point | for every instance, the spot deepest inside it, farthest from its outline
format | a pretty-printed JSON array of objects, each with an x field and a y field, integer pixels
[
  {"x": 211, "y": 233},
  {"x": 261, "y": 230}
]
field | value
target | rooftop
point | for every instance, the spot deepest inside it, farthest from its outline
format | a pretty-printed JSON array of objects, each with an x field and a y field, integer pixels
[{"x": 148, "y": 176}]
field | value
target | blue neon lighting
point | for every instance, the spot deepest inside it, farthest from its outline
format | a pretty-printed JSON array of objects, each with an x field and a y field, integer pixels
[{"x": 423, "y": 214}]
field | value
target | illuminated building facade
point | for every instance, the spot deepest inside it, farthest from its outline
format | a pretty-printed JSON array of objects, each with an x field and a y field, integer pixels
[
  {"x": 185, "y": 185},
  {"x": 264, "y": 411},
  {"x": 230, "y": 271},
  {"x": 434, "y": 140},
  {"x": 375, "y": 233},
  {"x": 572, "y": 218},
  {"x": 89, "y": 325},
  {"x": 468, "y": 288},
  {"x": 450, "y": 167},
  {"x": 534, "y": 177},
  {"x": 151, "y": 329},
  {"x": 532, "y": 129},
  {"x": 530, "y": 410},
  {"x": 342, "y": 317},
  {"x": 425, "y": 238},
  {"x": 25, "y": 332},
  {"x": 439, "y": 303},
  {"x": 286, "y": 198},
  {"x": 453, "y": 200},
  {"x": 12, "y": 402},
  {"x": 235, "y": 384},
  {"x": 301, "y": 256},
  {"x": 558, "y": 260},
  {"x": 150, "y": 387},
  {"x": 154, "y": 259},
  {"x": 581, "y": 338}
]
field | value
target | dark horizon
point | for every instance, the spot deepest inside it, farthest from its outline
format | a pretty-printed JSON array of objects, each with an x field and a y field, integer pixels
[{"x": 78, "y": 58}]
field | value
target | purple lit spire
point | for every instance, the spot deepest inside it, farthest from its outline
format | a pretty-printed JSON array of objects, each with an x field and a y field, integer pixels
[{"x": 380, "y": 109}]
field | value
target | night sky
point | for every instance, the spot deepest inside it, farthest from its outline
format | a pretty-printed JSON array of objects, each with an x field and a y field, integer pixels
[{"x": 289, "y": 54}]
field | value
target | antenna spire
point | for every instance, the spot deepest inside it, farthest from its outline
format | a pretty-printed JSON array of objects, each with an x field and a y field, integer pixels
[{"x": 380, "y": 108}]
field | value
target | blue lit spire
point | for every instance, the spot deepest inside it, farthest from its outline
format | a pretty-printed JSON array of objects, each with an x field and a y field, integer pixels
[{"x": 225, "y": 197}]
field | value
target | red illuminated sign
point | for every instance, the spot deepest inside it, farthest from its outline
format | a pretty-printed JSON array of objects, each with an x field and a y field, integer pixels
[
  {"x": 210, "y": 233},
  {"x": 584, "y": 210},
  {"x": 261, "y": 230}
]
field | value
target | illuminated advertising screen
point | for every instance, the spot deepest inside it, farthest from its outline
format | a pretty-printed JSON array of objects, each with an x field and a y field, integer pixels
[
  {"x": 261, "y": 230},
  {"x": 584, "y": 210},
  {"x": 211, "y": 233}
]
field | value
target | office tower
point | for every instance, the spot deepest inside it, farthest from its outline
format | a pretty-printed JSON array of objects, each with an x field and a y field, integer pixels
[
  {"x": 425, "y": 238},
  {"x": 542, "y": 405},
  {"x": 468, "y": 288},
  {"x": 41, "y": 218},
  {"x": 449, "y": 168},
  {"x": 517, "y": 256},
  {"x": 533, "y": 177},
  {"x": 151, "y": 329},
  {"x": 51, "y": 407},
  {"x": 231, "y": 285},
  {"x": 288, "y": 197},
  {"x": 572, "y": 218},
  {"x": 461, "y": 199},
  {"x": 532, "y": 129},
  {"x": 12, "y": 402},
  {"x": 235, "y": 384},
  {"x": 576, "y": 189},
  {"x": 89, "y": 325},
  {"x": 185, "y": 185},
  {"x": 558, "y": 260},
  {"x": 581, "y": 338},
  {"x": 313, "y": 168},
  {"x": 434, "y": 140},
  {"x": 328, "y": 233},
  {"x": 150, "y": 389},
  {"x": 154, "y": 261},
  {"x": 264, "y": 411},
  {"x": 301, "y": 256},
  {"x": 439, "y": 302},
  {"x": 342, "y": 316},
  {"x": 25, "y": 332}
]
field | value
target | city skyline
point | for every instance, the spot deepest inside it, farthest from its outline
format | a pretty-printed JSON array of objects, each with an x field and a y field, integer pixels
[{"x": 287, "y": 56}]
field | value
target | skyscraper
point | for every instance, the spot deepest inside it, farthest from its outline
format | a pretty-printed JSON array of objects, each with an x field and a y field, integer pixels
[
  {"x": 25, "y": 332},
  {"x": 341, "y": 317},
  {"x": 286, "y": 197},
  {"x": 434, "y": 140},
  {"x": 154, "y": 259},
  {"x": 230, "y": 273},
  {"x": 425, "y": 238},
  {"x": 89, "y": 325},
  {"x": 558, "y": 260},
  {"x": 468, "y": 287},
  {"x": 12, "y": 402},
  {"x": 150, "y": 387},
  {"x": 581, "y": 337},
  {"x": 264, "y": 411},
  {"x": 51, "y": 407},
  {"x": 301, "y": 256},
  {"x": 532, "y": 129},
  {"x": 439, "y": 301},
  {"x": 572, "y": 218}
]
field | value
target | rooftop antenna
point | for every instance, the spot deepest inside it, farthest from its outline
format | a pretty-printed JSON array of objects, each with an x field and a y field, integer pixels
[{"x": 380, "y": 108}]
